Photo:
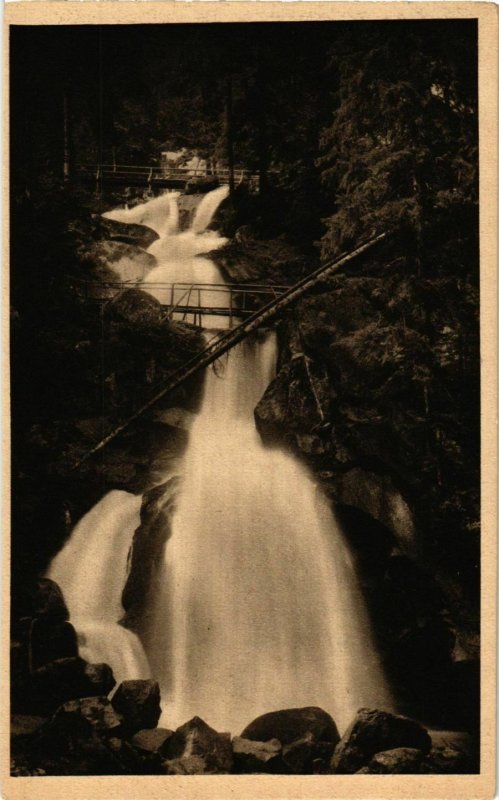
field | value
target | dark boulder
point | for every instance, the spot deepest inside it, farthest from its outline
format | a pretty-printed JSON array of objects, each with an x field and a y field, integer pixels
[
  {"x": 448, "y": 761},
  {"x": 399, "y": 761},
  {"x": 87, "y": 755},
  {"x": 68, "y": 679},
  {"x": 84, "y": 737},
  {"x": 452, "y": 753},
  {"x": 322, "y": 758},
  {"x": 127, "y": 757},
  {"x": 152, "y": 741},
  {"x": 251, "y": 756},
  {"x": 48, "y": 601},
  {"x": 291, "y": 724},
  {"x": 139, "y": 704},
  {"x": 465, "y": 687},
  {"x": 50, "y": 641},
  {"x": 211, "y": 750},
  {"x": 25, "y": 725},
  {"x": 187, "y": 765},
  {"x": 135, "y": 308},
  {"x": 140, "y": 236},
  {"x": 100, "y": 677},
  {"x": 299, "y": 756},
  {"x": 80, "y": 719},
  {"x": 372, "y": 732},
  {"x": 75, "y": 741}
]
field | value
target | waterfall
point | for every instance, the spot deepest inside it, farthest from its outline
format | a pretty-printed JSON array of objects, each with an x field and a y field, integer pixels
[
  {"x": 91, "y": 570},
  {"x": 260, "y": 598},
  {"x": 260, "y": 606},
  {"x": 160, "y": 214},
  {"x": 179, "y": 261}
]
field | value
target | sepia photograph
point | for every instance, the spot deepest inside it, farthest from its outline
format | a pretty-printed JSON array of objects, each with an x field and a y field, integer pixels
[{"x": 244, "y": 312}]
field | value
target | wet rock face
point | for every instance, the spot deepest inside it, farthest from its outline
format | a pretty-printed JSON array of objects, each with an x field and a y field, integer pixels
[
  {"x": 148, "y": 545},
  {"x": 115, "y": 260},
  {"x": 372, "y": 732},
  {"x": 291, "y": 724}
]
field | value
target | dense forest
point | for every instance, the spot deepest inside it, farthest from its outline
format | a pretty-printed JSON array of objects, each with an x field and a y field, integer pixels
[{"x": 354, "y": 129}]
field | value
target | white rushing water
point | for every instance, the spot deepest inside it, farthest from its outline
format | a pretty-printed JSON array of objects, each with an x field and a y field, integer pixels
[
  {"x": 91, "y": 570},
  {"x": 260, "y": 606},
  {"x": 179, "y": 253},
  {"x": 260, "y": 598}
]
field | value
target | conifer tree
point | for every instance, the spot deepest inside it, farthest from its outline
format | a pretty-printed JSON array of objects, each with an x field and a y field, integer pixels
[{"x": 401, "y": 147}]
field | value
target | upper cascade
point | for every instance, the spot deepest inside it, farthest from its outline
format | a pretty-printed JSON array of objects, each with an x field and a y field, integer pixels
[
  {"x": 178, "y": 253},
  {"x": 160, "y": 214}
]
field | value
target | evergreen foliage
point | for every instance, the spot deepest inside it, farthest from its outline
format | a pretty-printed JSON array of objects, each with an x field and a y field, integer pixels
[{"x": 401, "y": 147}]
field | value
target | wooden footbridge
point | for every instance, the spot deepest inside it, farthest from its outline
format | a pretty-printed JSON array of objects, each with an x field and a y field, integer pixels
[
  {"x": 229, "y": 339},
  {"x": 192, "y": 302},
  {"x": 159, "y": 177}
]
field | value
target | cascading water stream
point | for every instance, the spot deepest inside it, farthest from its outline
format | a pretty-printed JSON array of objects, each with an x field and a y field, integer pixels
[
  {"x": 91, "y": 570},
  {"x": 260, "y": 606},
  {"x": 260, "y": 601}
]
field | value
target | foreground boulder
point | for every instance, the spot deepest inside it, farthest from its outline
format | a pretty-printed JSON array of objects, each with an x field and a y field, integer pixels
[
  {"x": 50, "y": 640},
  {"x": 251, "y": 756},
  {"x": 299, "y": 756},
  {"x": 197, "y": 749},
  {"x": 139, "y": 704},
  {"x": 152, "y": 741},
  {"x": 25, "y": 725},
  {"x": 399, "y": 761},
  {"x": 135, "y": 307},
  {"x": 452, "y": 753},
  {"x": 291, "y": 724},
  {"x": 68, "y": 679},
  {"x": 373, "y": 732},
  {"x": 82, "y": 738},
  {"x": 82, "y": 718}
]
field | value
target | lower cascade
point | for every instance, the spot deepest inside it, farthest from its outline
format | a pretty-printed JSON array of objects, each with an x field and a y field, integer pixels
[
  {"x": 91, "y": 570},
  {"x": 260, "y": 605}
]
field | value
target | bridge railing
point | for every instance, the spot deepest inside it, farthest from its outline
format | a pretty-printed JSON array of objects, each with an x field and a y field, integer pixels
[
  {"x": 148, "y": 174},
  {"x": 192, "y": 301}
]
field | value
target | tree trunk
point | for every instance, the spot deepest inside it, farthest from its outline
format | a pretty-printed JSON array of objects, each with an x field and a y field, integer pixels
[
  {"x": 66, "y": 166},
  {"x": 263, "y": 155},
  {"x": 230, "y": 130}
]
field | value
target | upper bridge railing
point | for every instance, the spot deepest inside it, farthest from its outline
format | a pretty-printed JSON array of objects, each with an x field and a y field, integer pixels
[
  {"x": 162, "y": 176},
  {"x": 193, "y": 301}
]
